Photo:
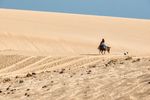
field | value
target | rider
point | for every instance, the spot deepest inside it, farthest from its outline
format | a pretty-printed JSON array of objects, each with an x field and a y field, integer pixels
[{"x": 102, "y": 44}]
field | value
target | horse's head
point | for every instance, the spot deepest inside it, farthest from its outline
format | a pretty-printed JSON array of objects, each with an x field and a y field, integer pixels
[{"x": 108, "y": 49}]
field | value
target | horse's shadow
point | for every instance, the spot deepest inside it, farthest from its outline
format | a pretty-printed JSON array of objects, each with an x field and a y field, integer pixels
[{"x": 90, "y": 54}]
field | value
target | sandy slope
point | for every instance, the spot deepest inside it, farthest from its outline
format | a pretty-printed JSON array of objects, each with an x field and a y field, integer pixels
[
  {"x": 62, "y": 34},
  {"x": 75, "y": 78},
  {"x": 59, "y": 51}
]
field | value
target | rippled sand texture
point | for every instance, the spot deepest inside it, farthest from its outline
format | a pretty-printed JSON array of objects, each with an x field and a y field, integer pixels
[
  {"x": 53, "y": 56},
  {"x": 74, "y": 78}
]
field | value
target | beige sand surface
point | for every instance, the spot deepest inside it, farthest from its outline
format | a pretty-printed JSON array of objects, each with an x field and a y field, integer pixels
[
  {"x": 63, "y": 34},
  {"x": 74, "y": 78},
  {"x": 53, "y": 56}
]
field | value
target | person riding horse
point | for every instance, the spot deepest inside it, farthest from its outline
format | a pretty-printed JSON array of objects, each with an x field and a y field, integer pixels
[
  {"x": 102, "y": 47},
  {"x": 102, "y": 44}
]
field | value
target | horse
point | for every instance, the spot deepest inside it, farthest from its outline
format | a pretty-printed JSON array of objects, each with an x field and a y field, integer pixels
[{"x": 102, "y": 50}]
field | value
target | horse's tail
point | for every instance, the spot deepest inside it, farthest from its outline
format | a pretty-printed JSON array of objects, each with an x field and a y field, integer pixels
[{"x": 98, "y": 47}]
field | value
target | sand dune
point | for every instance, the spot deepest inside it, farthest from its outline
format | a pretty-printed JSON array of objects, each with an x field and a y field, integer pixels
[
  {"x": 30, "y": 32},
  {"x": 54, "y": 56},
  {"x": 75, "y": 78}
]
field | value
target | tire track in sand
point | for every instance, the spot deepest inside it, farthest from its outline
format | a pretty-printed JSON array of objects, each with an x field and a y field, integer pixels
[
  {"x": 84, "y": 61},
  {"x": 20, "y": 65},
  {"x": 55, "y": 63},
  {"x": 8, "y": 60},
  {"x": 6, "y": 69},
  {"x": 37, "y": 64}
]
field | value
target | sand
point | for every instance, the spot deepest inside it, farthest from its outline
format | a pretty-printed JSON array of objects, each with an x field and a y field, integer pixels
[
  {"x": 54, "y": 56},
  {"x": 70, "y": 34}
]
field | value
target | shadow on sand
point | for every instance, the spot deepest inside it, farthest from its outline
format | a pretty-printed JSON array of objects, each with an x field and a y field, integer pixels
[{"x": 91, "y": 54}]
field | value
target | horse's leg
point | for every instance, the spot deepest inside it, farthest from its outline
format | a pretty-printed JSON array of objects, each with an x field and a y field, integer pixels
[
  {"x": 107, "y": 50},
  {"x": 102, "y": 52}
]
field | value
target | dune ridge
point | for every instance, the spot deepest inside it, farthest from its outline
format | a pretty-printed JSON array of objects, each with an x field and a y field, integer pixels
[
  {"x": 54, "y": 56},
  {"x": 45, "y": 33}
]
